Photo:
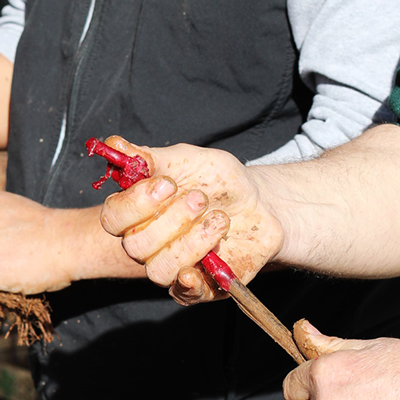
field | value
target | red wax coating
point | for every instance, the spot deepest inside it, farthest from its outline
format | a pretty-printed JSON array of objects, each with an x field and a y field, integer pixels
[
  {"x": 123, "y": 169},
  {"x": 219, "y": 270},
  {"x": 126, "y": 171}
]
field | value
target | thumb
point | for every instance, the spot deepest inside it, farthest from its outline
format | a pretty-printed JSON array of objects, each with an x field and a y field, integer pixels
[
  {"x": 130, "y": 149},
  {"x": 312, "y": 343},
  {"x": 160, "y": 160}
]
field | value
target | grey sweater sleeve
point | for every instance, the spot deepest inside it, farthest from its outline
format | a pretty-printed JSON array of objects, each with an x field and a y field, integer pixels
[
  {"x": 349, "y": 52},
  {"x": 12, "y": 23}
]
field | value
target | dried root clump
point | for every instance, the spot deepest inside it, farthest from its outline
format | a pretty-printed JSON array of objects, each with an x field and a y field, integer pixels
[{"x": 30, "y": 315}]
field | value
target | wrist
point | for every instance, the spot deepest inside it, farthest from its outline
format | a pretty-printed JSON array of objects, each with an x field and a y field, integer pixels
[
  {"x": 295, "y": 194},
  {"x": 277, "y": 193},
  {"x": 87, "y": 251}
]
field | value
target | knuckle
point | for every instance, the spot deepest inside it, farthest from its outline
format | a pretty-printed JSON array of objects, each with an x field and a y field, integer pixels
[
  {"x": 216, "y": 222},
  {"x": 320, "y": 372},
  {"x": 134, "y": 248},
  {"x": 109, "y": 217},
  {"x": 154, "y": 276},
  {"x": 330, "y": 371},
  {"x": 161, "y": 274},
  {"x": 290, "y": 385}
]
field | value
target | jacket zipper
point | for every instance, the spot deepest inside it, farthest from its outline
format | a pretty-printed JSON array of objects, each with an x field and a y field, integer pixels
[{"x": 86, "y": 42}]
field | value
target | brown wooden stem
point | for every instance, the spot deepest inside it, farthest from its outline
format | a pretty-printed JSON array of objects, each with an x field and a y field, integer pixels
[{"x": 264, "y": 318}]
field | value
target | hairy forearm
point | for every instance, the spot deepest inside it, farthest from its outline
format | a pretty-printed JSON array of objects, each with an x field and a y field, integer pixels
[
  {"x": 340, "y": 213},
  {"x": 6, "y": 72}
]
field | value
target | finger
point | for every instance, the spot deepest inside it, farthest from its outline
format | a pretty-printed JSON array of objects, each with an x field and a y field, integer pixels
[
  {"x": 122, "y": 145},
  {"x": 177, "y": 217},
  {"x": 188, "y": 249},
  {"x": 312, "y": 343},
  {"x": 297, "y": 385},
  {"x": 194, "y": 285},
  {"x": 189, "y": 287},
  {"x": 136, "y": 205}
]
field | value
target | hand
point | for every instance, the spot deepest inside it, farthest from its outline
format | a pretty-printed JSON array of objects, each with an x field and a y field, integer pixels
[
  {"x": 196, "y": 201},
  {"x": 346, "y": 369},
  {"x": 44, "y": 249}
]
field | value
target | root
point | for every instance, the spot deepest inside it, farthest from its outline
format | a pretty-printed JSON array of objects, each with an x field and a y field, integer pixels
[{"x": 29, "y": 315}]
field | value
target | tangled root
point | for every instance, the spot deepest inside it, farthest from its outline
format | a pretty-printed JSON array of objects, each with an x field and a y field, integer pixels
[{"x": 29, "y": 315}]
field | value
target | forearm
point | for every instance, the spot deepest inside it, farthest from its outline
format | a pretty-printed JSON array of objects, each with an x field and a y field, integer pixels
[
  {"x": 340, "y": 213},
  {"x": 6, "y": 72},
  {"x": 45, "y": 249},
  {"x": 88, "y": 251}
]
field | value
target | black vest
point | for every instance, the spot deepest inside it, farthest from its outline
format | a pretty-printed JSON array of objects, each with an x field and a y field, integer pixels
[{"x": 212, "y": 73}]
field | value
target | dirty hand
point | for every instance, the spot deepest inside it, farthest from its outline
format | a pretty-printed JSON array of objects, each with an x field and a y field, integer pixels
[
  {"x": 196, "y": 200},
  {"x": 44, "y": 249},
  {"x": 346, "y": 369}
]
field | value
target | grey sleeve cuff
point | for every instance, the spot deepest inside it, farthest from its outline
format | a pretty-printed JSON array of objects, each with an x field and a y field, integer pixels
[{"x": 12, "y": 23}]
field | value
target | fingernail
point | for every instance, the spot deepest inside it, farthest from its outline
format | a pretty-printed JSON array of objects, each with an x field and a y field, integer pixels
[
  {"x": 311, "y": 329},
  {"x": 196, "y": 200},
  {"x": 215, "y": 224},
  {"x": 163, "y": 189}
]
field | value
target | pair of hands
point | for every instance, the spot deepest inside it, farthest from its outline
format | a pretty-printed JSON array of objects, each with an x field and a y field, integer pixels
[{"x": 197, "y": 200}]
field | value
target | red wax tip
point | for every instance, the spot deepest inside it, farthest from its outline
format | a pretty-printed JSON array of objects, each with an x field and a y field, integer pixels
[
  {"x": 113, "y": 156},
  {"x": 219, "y": 270},
  {"x": 123, "y": 169}
]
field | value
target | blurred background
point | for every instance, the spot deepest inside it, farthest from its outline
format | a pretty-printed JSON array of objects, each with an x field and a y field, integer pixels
[{"x": 15, "y": 378}]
